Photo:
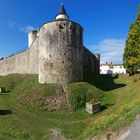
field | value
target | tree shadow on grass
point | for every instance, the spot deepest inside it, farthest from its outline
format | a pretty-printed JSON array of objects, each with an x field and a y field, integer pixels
[
  {"x": 104, "y": 107},
  {"x": 103, "y": 82},
  {"x": 7, "y": 91},
  {"x": 5, "y": 112}
]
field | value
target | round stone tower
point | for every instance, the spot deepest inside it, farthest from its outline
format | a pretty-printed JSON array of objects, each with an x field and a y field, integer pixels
[
  {"x": 32, "y": 35},
  {"x": 61, "y": 50}
]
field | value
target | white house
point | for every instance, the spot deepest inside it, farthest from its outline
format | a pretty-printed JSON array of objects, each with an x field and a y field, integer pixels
[{"x": 112, "y": 69}]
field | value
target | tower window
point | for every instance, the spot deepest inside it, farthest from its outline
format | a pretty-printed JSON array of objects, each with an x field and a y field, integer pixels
[{"x": 61, "y": 27}]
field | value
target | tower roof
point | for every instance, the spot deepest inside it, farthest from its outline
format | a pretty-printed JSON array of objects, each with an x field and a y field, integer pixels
[{"x": 62, "y": 14}]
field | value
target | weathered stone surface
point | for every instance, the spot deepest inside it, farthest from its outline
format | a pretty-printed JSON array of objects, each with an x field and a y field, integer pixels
[
  {"x": 22, "y": 63},
  {"x": 33, "y": 57},
  {"x": 93, "y": 108},
  {"x": 61, "y": 52},
  {"x": 91, "y": 61}
]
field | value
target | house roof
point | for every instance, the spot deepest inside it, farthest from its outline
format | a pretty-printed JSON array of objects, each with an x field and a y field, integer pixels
[{"x": 104, "y": 64}]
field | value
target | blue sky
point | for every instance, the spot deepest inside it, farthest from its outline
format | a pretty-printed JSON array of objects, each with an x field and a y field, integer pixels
[{"x": 105, "y": 22}]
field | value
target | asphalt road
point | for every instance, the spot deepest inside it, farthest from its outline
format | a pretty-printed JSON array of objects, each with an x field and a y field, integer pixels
[{"x": 133, "y": 132}]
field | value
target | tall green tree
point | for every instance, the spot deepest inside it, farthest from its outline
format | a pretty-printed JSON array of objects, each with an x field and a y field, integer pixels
[{"x": 131, "y": 55}]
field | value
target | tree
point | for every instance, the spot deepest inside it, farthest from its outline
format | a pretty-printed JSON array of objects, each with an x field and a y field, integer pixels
[{"x": 131, "y": 55}]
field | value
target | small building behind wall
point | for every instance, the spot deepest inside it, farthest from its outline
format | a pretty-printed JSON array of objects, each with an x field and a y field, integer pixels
[{"x": 112, "y": 69}]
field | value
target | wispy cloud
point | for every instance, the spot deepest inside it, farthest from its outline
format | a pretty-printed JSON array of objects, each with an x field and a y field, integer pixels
[
  {"x": 111, "y": 50},
  {"x": 20, "y": 27}
]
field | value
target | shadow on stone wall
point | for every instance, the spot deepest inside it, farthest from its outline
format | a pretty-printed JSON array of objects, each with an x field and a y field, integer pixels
[{"x": 103, "y": 82}]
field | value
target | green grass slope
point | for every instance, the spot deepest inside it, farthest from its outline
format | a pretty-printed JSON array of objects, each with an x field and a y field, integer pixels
[{"x": 120, "y": 105}]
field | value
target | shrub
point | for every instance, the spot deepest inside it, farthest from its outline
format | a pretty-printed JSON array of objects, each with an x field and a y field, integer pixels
[{"x": 80, "y": 93}]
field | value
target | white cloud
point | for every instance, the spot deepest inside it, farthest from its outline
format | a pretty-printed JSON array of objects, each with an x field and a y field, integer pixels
[
  {"x": 20, "y": 27},
  {"x": 111, "y": 50},
  {"x": 27, "y": 28}
]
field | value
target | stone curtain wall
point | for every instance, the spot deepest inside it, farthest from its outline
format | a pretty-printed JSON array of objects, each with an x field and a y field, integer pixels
[
  {"x": 34, "y": 57},
  {"x": 22, "y": 63},
  {"x": 15, "y": 64},
  {"x": 91, "y": 62},
  {"x": 57, "y": 55},
  {"x": 28, "y": 61}
]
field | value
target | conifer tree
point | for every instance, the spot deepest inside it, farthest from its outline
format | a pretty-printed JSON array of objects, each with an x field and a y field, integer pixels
[{"x": 131, "y": 55}]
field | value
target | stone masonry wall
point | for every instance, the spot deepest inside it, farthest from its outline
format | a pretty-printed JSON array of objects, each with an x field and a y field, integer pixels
[
  {"x": 15, "y": 64},
  {"x": 91, "y": 62},
  {"x": 33, "y": 57},
  {"x": 61, "y": 52},
  {"x": 57, "y": 55},
  {"x": 21, "y": 63}
]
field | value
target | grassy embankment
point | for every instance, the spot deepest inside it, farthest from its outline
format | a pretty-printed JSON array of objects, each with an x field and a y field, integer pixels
[{"x": 120, "y": 104}]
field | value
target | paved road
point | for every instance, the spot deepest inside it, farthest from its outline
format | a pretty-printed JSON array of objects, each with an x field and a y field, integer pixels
[{"x": 133, "y": 132}]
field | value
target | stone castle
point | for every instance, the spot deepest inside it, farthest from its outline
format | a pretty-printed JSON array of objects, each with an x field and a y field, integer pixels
[{"x": 55, "y": 52}]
